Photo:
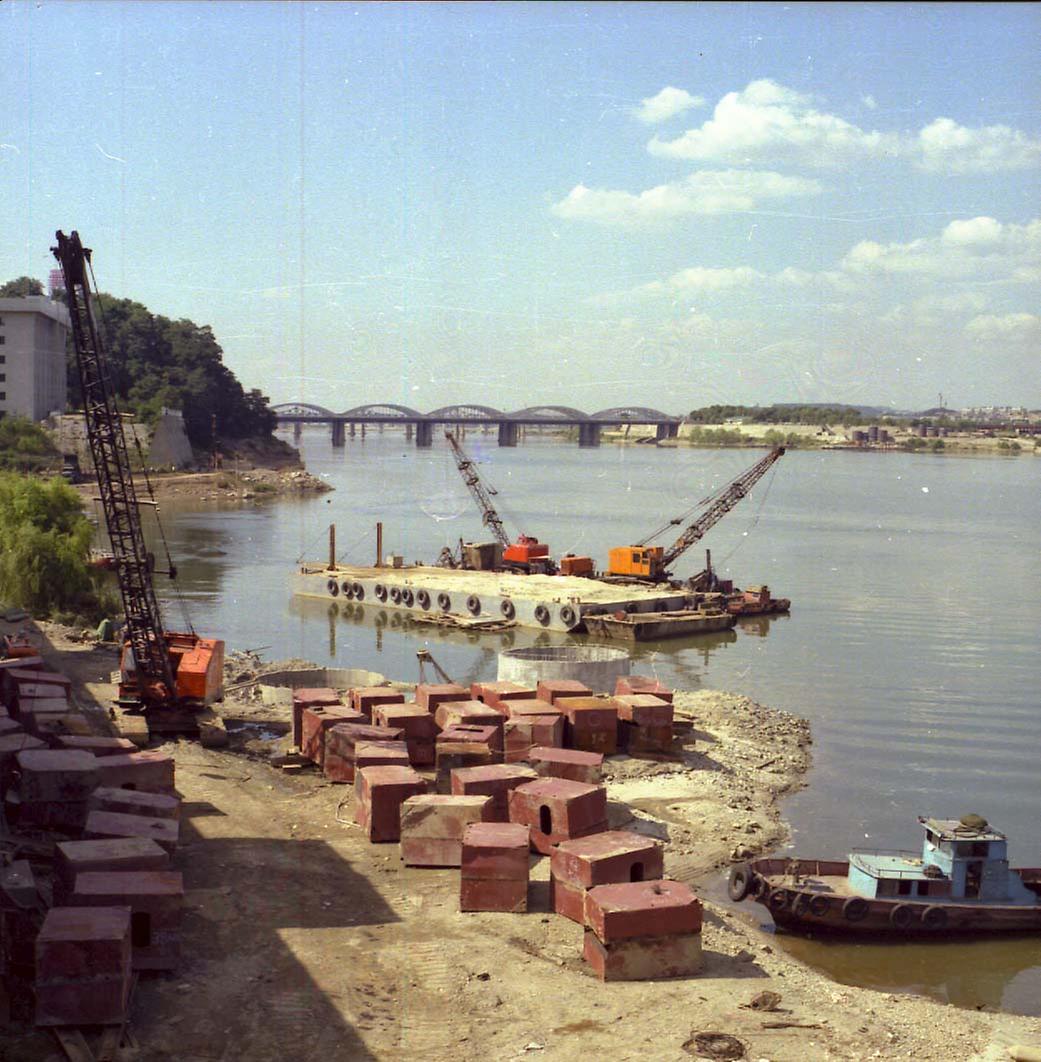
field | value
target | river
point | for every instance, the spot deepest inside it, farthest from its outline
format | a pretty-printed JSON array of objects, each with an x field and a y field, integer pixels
[{"x": 912, "y": 645}]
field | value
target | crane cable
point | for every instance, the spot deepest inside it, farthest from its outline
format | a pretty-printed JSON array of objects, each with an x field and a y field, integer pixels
[
  {"x": 170, "y": 567},
  {"x": 762, "y": 501}
]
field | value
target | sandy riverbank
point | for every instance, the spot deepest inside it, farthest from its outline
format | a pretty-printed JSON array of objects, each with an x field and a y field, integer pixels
[{"x": 304, "y": 941}]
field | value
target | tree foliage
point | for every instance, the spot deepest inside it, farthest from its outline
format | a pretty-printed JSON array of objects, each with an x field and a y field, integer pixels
[
  {"x": 25, "y": 446},
  {"x": 779, "y": 414},
  {"x": 20, "y": 288},
  {"x": 155, "y": 361},
  {"x": 45, "y": 548}
]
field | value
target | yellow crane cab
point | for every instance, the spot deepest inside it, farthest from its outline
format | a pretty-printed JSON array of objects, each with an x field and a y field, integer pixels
[{"x": 644, "y": 562}]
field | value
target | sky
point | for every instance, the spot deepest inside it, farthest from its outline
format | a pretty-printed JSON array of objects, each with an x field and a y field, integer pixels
[{"x": 590, "y": 205}]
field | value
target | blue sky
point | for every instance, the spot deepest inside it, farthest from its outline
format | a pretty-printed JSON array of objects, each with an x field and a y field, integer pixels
[{"x": 515, "y": 204}]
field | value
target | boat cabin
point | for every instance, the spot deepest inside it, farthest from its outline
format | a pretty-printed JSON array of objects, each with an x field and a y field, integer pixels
[{"x": 962, "y": 860}]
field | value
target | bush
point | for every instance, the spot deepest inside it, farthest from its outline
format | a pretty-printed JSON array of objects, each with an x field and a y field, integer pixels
[
  {"x": 25, "y": 446},
  {"x": 44, "y": 549}
]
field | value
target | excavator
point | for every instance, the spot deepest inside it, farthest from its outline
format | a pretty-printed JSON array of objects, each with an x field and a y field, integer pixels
[
  {"x": 167, "y": 675},
  {"x": 527, "y": 554},
  {"x": 652, "y": 563}
]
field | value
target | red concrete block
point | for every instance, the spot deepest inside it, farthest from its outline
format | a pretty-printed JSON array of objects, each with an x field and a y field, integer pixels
[
  {"x": 574, "y": 764},
  {"x": 315, "y": 724},
  {"x": 430, "y": 695},
  {"x": 380, "y": 754},
  {"x": 495, "y": 851},
  {"x": 341, "y": 742},
  {"x": 495, "y": 781},
  {"x": 645, "y": 958},
  {"x": 102, "y": 824},
  {"x": 23, "y": 675},
  {"x": 630, "y": 684},
  {"x": 530, "y": 706},
  {"x": 151, "y": 772},
  {"x": 645, "y": 739},
  {"x": 96, "y": 746},
  {"x": 432, "y": 827},
  {"x": 72, "y": 858},
  {"x": 494, "y": 693},
  {"x": 525, "y": 732},
  {"x": 604, "y": 858},
  {"x": 453, "y": 755},
  {"x": 642, "y": 909},
  {"x": 55, "y": 775},
  {"x": 9, "y": 725},
  {"x": 417, "y": 726},
  {"x": 66, "y": 816},
  {"x": 21, "y": 663},
  {"x": 100, "y": 1001},
  {"x": 475, "y": 713},
  {"x": 469, "y": 733},
  {"x": 132, "y": 802},
  {"x": 591, "y": 723},
  {"x": 379, "y": 793},
  {"x": 310, "y": 698},
  {"x": 510, "y": 897},
  {"x": 558, "y": 809},
  {"x": 644, "y": 709},
  {"x": 156, "y": 901},
  {"x": 367, "y": 699},
  {"x": 551, "y": 689}
]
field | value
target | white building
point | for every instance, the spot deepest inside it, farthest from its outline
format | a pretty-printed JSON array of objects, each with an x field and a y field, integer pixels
[{"x": 32, "y": 356}]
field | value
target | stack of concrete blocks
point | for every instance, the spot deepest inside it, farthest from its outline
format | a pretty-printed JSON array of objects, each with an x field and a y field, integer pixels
[
  {"x": 590, "y": 723},
  {"x": 494, "y": 868},
  {"x": 500, "y": 694},
  {"x": 642, "y": 931},
  {"x": 315, "y": 725},
  {"x": 417, "y": 726},
  {"x": 379, "y": 793},
  {"x": 137, "y": 772},
  {"x": 40, "y": 701},
  {"x": 530, "y": 723},
  {"x": 495, "y": 782},
  {"x": 72, "y": 858},
  {"x": 644, "y": 723},
  {"x": 574, "y": 764},
  {"x": 557, "y": 809},
  {"x": 341, "y": 742},
  {"x": 470, "y": 713},
  {"x": 432, "y": 827},
  {"x": 83, "y": 966},
  {"x": 322, "y": 697},
  {"x": 368, "y": 699},
  {"x": 53, "y": 786},
  {"x": 609, "y": 858},
  {"x": 460, "y": 747}
]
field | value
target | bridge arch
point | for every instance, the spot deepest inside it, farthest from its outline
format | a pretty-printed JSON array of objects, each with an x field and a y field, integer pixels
[
  {"x": 465, "y": 412},
  {"x": 382, "y": 409},
  {"x": 550, "y": 414},
  {"x": 301, "y": 409},
  {"x": 634, "y": 414}
]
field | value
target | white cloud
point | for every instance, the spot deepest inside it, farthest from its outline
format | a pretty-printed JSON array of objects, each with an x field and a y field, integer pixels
[
  {"x": 703, "y": 192},
  {"x": 1009, "y": 326},
  {"x": 704, "y": 278},
  {"x": 667, "y": 104},
  {"x": 869, "y": 102},
  {"x": 767, "y": 121},
  {"x": 947, "y": 147}
]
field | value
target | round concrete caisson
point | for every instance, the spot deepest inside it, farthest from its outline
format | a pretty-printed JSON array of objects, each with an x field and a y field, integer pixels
[
  {"x": 598, "y": 666},
  {"x": 276, "y": 687}
]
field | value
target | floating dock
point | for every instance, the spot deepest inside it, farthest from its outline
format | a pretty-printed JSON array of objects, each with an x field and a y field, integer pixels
[{"x": 544, "y": 602}]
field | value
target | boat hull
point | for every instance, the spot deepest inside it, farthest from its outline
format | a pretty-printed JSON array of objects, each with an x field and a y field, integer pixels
[
  {"x": 819, "y": 905},
  {"x": 657, "y": 626}
]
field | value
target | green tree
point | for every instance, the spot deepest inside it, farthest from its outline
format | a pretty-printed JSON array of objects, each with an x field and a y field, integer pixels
[
  {"x": 25, "y": 446},
  {"x": 20, "y": 288}
]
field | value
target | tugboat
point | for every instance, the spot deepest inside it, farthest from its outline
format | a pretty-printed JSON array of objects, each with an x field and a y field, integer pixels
[{"x": 961, "y": 883}]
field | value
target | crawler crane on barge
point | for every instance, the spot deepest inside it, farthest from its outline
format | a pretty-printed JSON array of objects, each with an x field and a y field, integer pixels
[{"x": 167, "y": 675}]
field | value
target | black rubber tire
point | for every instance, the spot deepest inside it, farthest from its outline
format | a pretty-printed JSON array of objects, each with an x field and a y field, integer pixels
[
  {"x": 395, "y": 595},
  {"x": 380, "y": 592},
  {"x": 473, "y": 605},
  {"x": 542, "y": 614},
  {"x": 406, "y": 598},
  {"x": 778, "y": 900},
  {"x": 934, "y": 918},
  {"x": 444, "y": 602},
  {"x": 761, "y": 887},
  {"x": 423, "y": 600},
  {"x": 900, "y": 916},
  {"x": 801, "y": 903},
  {"x": 359, "y": 592},
  {"x": 567, "y": 616},
  {"x": 819, "y": 906},
  {"x": 347, "y": 589},
  {"x": 507, "y": 608},
  {"x": 856, "y": 909},
  {"x": 739, "y": 885},
  {"x": 333, "y": 587}
]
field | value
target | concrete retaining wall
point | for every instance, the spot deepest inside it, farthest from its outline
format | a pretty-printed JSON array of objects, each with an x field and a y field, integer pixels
[{"x": 598, "y": 666}]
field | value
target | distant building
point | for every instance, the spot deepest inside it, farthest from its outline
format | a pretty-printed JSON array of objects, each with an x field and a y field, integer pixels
[
  {"x": 170, "y": 445},
  {"x": 32, "y": 356}
]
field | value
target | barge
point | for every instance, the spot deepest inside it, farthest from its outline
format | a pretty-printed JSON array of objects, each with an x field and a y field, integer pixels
[
  {"x": 544, "y": 602},
  {"x": 961, "y": 883},
  {"x": 656, "y": 626}
]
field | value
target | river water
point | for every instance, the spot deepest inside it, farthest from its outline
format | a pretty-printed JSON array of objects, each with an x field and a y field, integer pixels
[{"x": 912, "y": 645}]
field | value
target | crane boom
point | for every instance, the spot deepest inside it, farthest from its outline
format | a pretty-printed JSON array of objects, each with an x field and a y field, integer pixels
[
  {"x": 108, "y": 447},
  {"x": 723, "y": 502},
  {"x": 468, "y": 470}
]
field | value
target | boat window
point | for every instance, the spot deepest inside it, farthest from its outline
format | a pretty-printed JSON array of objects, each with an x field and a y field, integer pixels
[
  {"x": 930, "y": 836},
  {"x": 979, "y": 848},
  {"x": 903, "y": 888}
]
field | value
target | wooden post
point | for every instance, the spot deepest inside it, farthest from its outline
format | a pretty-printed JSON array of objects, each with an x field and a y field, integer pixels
[
  {"x": 332, "y": 546},
  {"x": 379, "y": 544}
]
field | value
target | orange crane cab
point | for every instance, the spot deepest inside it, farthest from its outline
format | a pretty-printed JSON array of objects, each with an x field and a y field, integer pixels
[
  {"x": 526, "y": 550},
  {"x": 640, "y": 562}
]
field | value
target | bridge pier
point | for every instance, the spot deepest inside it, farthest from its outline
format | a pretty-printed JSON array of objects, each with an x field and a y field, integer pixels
[
  {"x": 588, "y": 435},
  {"x": 666, "y": 431},
  {"x": 408, "y": 431},
  {"x": 507, "y": 433},
  {"x": 298, "y": 430},
  {"x": 339, "y": 434},
  {"x": 424, "y": 434},
  {"x": 350, "y": 429}
]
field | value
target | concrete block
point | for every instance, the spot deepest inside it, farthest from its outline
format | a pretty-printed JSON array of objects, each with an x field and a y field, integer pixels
[
  {"x": 379, "y": 793},
  {"x": 430, "y": 695},
  {"x": 113, "y": 824},
  {"x": 642, "y": 909},
  {"x": 315, "y": 724},
  {"x": 368, "y": 698},
  {"x": 55, "y": 775},
  {"x": 644, "y": 958},
  {"x": 634, "y": 684},
  {"x": 530, "y": 706},
  {"x": 417, "y": 726},
  {"x": 644, "y": 709},
  {"x": 133, "y": 802},
  {"x": 341, "y": 742},
  {"x": 574, "y": 764},
  {"x": 125, "y": 853},
  {"x": 495, "y": 851},
  {"x": 495, "y": 693},
  {"x": 494, "y": 781},
  {"x": 558, "y": 809},
  {"x": 523, "y": 733},
  {"x": 96, "y": 746},
  {"x": 637, "y": 739},
  {"x": 452, "y": 755},
  {"x": 380, "y": 753},
  {"x": 510, "y": 897},
  {"x": 151, "y": 772},
  {"x": 591, "y": 723},
  {"x": 322, "y": 697},
  {"x": 551, "y": 689},
  {"x": 432, "y": 827},
  {"x": 604, "y": 858},
  {"x": 473, "y": 713}
]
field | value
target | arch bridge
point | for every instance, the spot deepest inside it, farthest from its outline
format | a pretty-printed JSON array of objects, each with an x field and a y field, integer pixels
[{"x": 509, "y": 424}]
